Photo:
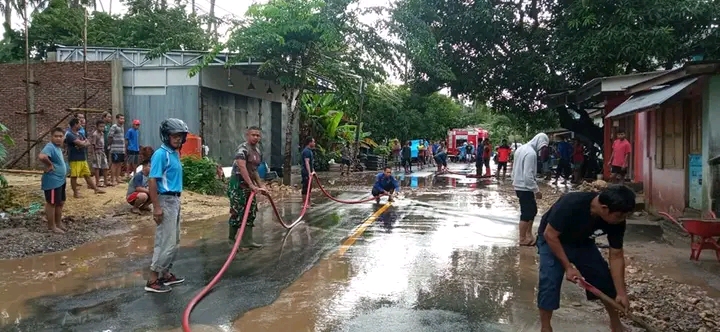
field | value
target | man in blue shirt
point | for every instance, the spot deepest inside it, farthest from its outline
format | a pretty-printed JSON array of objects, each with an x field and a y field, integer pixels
[
  {"x": 564, "y": 169},
  {"x": 385, "y": 183},
  {"x": 165, "y": 185},
  {"x": 53, "y": 180},
  {"x": 308, "y": 165},
  {"x": 137, "y": 193},
  {"x": 132, "y": 136}
]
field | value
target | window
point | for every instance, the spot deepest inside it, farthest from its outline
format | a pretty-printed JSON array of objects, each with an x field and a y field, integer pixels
[{"x": 669, "y": 135}]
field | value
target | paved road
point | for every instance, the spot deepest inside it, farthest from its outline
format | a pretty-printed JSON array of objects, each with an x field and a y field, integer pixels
[{"x": 442, "y": 259}]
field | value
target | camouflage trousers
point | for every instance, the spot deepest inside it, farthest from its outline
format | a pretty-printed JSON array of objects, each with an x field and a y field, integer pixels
[{"x": 238, "y": 201}]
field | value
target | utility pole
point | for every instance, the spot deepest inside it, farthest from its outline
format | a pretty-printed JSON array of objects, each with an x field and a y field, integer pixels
[
  {"x": 359, "y": 120},
  {"x": 30, "y": 97},
  {"x": 85, "y": 72}
]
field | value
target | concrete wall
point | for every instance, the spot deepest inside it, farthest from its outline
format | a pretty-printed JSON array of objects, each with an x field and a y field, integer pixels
[
  {"x": 236, "y": 115},
  {"x": 168, "y": 102},
  {"x": 711, "y": 143},
  {"x": 640, "y": 151}
]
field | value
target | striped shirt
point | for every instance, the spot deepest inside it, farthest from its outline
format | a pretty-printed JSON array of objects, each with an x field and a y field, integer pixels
[{"x": 117, "y": 139}]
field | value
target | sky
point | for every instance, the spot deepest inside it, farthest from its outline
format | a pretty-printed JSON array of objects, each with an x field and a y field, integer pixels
[{"x": 231, "y": 9}]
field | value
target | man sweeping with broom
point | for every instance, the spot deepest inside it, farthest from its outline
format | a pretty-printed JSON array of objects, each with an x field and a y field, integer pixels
[{"x": 566, "y": 246}]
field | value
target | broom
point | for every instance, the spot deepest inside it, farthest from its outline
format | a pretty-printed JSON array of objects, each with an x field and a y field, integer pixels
[{"x": 590, "y": 288}]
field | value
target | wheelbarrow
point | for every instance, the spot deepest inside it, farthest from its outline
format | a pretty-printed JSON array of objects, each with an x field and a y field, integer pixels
[{"x": 704, "y": 233}]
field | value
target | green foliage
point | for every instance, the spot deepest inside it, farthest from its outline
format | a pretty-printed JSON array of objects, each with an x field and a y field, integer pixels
[
  {"x": 320, "y": 117},
  {"x": 382, "y": 150},
  {"x": 154, "y": 27},
  {"x": 510, "y": 55},
  {"x": 200, "y": 176},
  {"x": 322, "y": 160}
]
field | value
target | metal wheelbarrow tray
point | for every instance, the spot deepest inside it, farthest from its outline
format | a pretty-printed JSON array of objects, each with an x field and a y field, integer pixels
[{"x": 704, "y": 233}]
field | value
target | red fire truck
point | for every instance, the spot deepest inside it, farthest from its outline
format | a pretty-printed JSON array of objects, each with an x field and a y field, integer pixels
[{"x": 457, "y": 137}]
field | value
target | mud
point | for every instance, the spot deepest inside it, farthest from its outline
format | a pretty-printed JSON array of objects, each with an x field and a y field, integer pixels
[{"x": 23, "y": 231}]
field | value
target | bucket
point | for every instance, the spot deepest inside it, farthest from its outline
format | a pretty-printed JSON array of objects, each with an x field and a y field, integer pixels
[{"x": 262, "y": 170}]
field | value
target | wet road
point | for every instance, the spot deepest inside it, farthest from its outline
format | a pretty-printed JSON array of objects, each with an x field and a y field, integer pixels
[{"x": 441, "y": 259}]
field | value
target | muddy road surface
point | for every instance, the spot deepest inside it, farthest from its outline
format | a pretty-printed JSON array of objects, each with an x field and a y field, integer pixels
[{"x": 442, "y": 258}]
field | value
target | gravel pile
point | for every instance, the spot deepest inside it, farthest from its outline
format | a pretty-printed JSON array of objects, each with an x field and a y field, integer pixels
[
  {"x": 669, "y": 305},
  {"x": 25, "y": 235}
]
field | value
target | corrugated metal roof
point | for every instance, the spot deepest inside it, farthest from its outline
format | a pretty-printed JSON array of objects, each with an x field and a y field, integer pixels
[{"x": 650, "y": 99}]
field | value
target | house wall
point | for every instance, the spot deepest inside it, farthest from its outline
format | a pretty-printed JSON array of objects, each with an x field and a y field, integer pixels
[
  {"x": 59, "y": 85},
  {"x": 151, "y": 109},
  {"x": 664, "y": 188},
  {"x": 228, "y": 98},
  {"x": 711, "y": 143},
  {"x": 639, "y": 140}
]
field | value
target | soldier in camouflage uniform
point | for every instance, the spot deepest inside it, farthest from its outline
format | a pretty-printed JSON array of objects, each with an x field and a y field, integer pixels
[{"x": 243, "y": 181}]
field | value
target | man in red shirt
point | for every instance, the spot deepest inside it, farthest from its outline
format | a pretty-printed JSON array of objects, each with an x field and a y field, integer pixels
[
  {"x": 503, "y": 152},
  {"x": 578, "y": 159},
  {"x": 620, "y": 158}
]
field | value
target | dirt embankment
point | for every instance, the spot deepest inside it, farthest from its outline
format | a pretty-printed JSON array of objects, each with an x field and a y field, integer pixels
[{"x": 23, "y": 230}]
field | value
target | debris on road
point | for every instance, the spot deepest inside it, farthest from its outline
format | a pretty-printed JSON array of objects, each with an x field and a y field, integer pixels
[
  {"x": 669, "y": 305},
  {"x": 595, "y": 186}
]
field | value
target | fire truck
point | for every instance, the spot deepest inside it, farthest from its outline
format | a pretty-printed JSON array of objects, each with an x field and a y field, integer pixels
[{"x": 457, "y": 137}]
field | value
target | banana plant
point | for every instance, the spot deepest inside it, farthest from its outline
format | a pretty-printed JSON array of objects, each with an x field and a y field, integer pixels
[{"x": 320, "y": 117}]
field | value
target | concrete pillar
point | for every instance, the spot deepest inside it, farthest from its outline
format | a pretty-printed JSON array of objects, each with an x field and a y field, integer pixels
[
  {"x": 266, "y": 126},
  {"x": 116, "y": 78}
]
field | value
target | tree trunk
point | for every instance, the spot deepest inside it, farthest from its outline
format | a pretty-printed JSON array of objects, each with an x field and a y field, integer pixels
[
  {"x": 8, "y": 13},
  {"x": 293, "y": 107},
  {"x": 583, "y": 126}
]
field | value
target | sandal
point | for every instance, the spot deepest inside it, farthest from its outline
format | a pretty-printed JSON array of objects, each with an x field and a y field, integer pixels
[{"x": 529, "y": 244}]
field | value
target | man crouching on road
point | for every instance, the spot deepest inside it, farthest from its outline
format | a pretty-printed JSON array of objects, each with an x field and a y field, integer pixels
[
  {"x": 385, "y": 183},
  {"x": 165, "y": 186},
  {"x": 566, "y": 245}
]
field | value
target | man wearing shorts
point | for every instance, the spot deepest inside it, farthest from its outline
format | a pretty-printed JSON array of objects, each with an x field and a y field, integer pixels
[
  {"x": 116, "y": 138},
  {"x": 525, "y": 185},
  {"x": 132, "y": 138},
  {"x": 99, "y": 162},
  {"x": 137, "y": 193},
  {"x": 345, "y": 159},
  {"x": 620, "y": 157},
  {"x": 503, "y": 155},
  {"x": 77, "y": 157},
  {"x": 53, "y": 180},
  {"x": 385, "y": 183},
  {"x": 566, "y": 246}
]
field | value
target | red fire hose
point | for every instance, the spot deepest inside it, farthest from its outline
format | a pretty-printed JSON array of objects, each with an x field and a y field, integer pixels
[{"x": 195, "y": 300}]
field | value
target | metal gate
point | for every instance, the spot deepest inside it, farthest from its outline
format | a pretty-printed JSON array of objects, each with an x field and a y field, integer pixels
[{"x": 276, "y": 135}]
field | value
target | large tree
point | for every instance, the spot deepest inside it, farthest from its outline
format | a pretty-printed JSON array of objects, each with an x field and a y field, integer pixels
[
  {"x": 511, "y": 53},
  {"x": 306, "y": 44}
]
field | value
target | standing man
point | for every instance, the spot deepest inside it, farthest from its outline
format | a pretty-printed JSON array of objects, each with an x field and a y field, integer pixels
[
  {"x": 565, "y": 152},
  {"x": 525, "y": 185},
  {"x": 566, "y": 245},
  {"x": 83, "y": 121},
  {"x": 578, "y": 161},
  {"x": 117, "y": 148},
  {"x": 345, "y": 159},
  {"x": 133, "y": 147},
  {"x": 77, "y": 157},
  {"x": 53, "y": 181},
  {"x": 620, "y": 157},
  {"x": 164, "y": 187},
  {"x": 479, "y": 159},
  {"x": 487, "y": 155},
  {"x": 503, "y": 152},
  {"x": 396, "y": 153},
  {"x": 308, "y": 166},
  {"x": 107, "y": 120},
  {"x": 100, "y": 162},
  {"x": 245, "y": 179}
]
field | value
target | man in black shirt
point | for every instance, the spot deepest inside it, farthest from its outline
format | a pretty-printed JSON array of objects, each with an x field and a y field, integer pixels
[
  {"x": 566, "y": 245},
  {"x": 308, "y": 165}
]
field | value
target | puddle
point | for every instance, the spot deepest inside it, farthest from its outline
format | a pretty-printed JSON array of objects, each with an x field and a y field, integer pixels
[{"x": 434, "y": 263}]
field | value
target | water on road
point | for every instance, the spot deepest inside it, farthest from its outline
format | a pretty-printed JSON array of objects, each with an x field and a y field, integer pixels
[{"x": 441, "y": 259}]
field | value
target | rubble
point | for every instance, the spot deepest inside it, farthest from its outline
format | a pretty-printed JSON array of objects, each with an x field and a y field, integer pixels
[
  {"x": 595, "y": 186},
  {"x": 669, "y": 305}
]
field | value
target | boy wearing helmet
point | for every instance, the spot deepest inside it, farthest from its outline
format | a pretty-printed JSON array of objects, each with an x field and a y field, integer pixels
[{"x": 165, "y": 186}]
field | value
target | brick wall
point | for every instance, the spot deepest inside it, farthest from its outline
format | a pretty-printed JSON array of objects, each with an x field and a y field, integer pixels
[{"x": 59, "y": 86}]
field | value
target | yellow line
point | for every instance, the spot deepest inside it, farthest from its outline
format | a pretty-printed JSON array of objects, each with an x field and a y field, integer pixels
[{"x": 361, "y": 229}]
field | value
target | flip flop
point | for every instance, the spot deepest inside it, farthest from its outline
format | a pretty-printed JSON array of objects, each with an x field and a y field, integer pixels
[{"x": 528, "y": 244}]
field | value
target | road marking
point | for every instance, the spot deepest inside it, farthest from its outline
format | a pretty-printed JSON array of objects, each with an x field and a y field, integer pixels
[{"x": 361, "y": 229}]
